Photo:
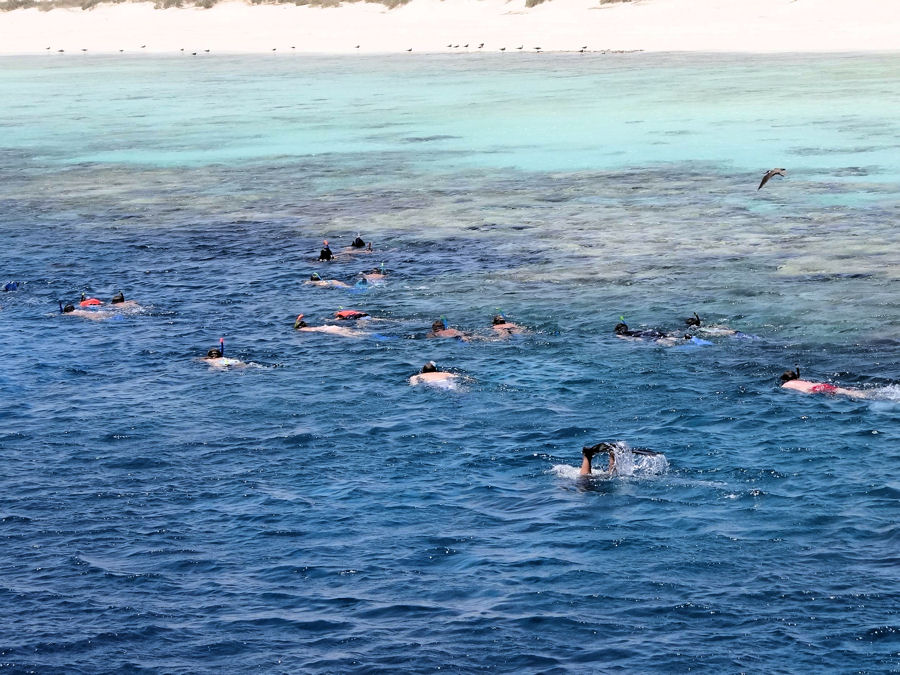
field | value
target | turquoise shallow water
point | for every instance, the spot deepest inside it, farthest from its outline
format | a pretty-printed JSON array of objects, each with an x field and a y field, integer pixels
[{"x": 313, "y": 512}]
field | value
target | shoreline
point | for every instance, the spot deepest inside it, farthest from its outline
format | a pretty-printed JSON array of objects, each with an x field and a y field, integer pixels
[{"x": 435, "y": 26}]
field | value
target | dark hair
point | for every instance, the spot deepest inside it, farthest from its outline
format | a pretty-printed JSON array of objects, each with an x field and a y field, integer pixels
[
  {"x": 315, "y": 277},
  {"x": 498, "y": 319},
  {"x": 117, "y": 298},
  {"x": 621, "y": 329},
  {"x": 214, "y": 353},
  {"x": 429, "y": 367},
  {"x": 68, "y": 308},
  {"x": 789, "y": 375},
  {"x": 437, "y": 325}
]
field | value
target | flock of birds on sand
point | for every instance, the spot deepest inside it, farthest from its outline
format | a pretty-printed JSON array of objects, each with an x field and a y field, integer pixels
[{"x": 537, "y": 50}]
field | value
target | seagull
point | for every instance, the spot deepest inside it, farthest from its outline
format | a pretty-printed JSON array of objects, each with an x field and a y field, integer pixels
[
  {"x": 769, "y": 174},
  {"x": 502, "y": 49},
  {"x": 481, "y": 45},
  {"x": 409, "y": 50},
  {"x": 520, "y": 46}
]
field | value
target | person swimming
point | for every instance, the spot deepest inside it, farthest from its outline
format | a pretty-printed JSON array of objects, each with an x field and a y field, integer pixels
[
  {"x": 118, "y": 298},
  {"x": 358, "y": 242},
  {"x": 376, "y": 275},
  {"x": 325, "y": 253},
  {"x": 89, "y": 302},
  {"x": 301, "y": 325},
  {"x": 349, "y": 314},
  {"x": 441, "y": 329},
  {"x": 316, "y": 280},
  {"x": 217, "y": 359},
  {"x": 693, "y": 321},
  {"x": 790, "y": 379},
  {"x": 588, "y": 452},
  {"x": 92, "y": 314},
  {"x": 431, "y": 375},
  {"x": 504, "y": 328}
]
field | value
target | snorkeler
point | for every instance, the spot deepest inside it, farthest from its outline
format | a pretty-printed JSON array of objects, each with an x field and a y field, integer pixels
[
  {"x": 667, "y": 339},
  {"x": 325, "y": 253},
  {"x": 316, "y": 280},
  {"x": 358, "y": 242},
  {"x": 790, "y": 379},
  {"x": 94, "y": 315},
  {"x": 349, "y": 314},
  {"x": 89, "y": 302},
  {"x": 431, "y": 375},
  {"x": 301, "y": 325},
  {"x": 216, "y": 358},
  {"x": 588, "y": 452},
  {"x": 441, "y": 329},
  {"x": 695, "y": 322},
  {"x": 504, "y": 328},
  {"x": 374, "y": 276}
]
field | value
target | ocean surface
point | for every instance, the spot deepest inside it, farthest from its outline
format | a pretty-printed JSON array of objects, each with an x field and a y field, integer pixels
[{"x": 312, "y": 512}]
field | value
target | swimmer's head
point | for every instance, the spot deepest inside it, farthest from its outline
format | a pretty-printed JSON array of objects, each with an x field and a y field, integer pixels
[
  {"x": 430, "y": 367},
  {"x": 315, "y": 277},
  {"x": 214, "y": 353},
  {"x": 693, "y": 320},
  {"x": 325, "y": 243},
  {"x": 118, "y": 298},
  {"x": 437, "y": 326},
  {"x": 498, "y": 319},
  {"x": 789, "y": 375},
  {"x": 299, "y": 323},
  {"x": 68, "y": 308},
  {"x": 621, "y": 328}
]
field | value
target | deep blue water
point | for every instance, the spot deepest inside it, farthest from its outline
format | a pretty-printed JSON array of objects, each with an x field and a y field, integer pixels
[{"x": 313, "y": 512}]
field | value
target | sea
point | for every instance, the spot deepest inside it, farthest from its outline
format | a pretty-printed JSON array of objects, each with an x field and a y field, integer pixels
[{"x": 304, "y": 509}]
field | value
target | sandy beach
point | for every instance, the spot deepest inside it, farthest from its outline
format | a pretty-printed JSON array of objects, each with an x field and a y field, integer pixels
[{"x": 434, "y": 26}]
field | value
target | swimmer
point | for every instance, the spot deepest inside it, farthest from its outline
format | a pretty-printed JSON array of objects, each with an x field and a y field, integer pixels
[
  {"x": 93, "y": 315},
  {"x": 358, "y": 246},
  {"x": 666, "y": 339},
  {"x": 790, "y": 379},
  {"x": 216, "y": 358},
  {"x": 349, "y": 314},
  {"x": 316, "y": 280},
  {"x": 430, "y": 375},
  {"x": 504, "y": 328},
  {"x": 376, "y": 275},
  {"x": 588, "y": 452},
  {"x": 301, "y": 325},
  {"x": 697, "y": 323},
  {"x": 119, "y": 302},
  {"x": 358, "y": 242},
  {"x": 325, "y": 253},
  {"x": 89, "y": 302},
  {"x": 441, "y": 329}
]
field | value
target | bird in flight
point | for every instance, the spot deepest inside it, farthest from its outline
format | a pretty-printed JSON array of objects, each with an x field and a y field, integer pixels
[{"x": 769, "y": 174}]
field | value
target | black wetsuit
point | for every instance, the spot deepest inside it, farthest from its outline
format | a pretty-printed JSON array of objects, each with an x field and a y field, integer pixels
[
  {"x": 358, "y": 243},
  {"x": 326, "y": 254}
]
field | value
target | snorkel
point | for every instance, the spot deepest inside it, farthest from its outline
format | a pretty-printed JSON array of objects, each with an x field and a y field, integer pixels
[
  {"x": 445, "y": 323},
  {"x": 299, "y": 323},
  {"x": 222, "y": 346}
]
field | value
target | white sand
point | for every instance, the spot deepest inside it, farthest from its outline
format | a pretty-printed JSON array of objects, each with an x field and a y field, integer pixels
[{"x": 430, "y": 25}]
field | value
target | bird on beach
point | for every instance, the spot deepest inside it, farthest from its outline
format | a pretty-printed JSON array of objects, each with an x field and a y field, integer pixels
[
  {"x": 769, "y": 174},
  {"x": 520, "y": 47},
  {"x": 502, "y": 49},
  {"x": 409, "y": 50},
  {"x": 481, "y": 45}
]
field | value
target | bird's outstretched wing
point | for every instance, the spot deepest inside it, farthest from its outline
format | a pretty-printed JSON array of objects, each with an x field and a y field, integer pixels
[{"x": 769, "y": 174}]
